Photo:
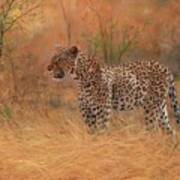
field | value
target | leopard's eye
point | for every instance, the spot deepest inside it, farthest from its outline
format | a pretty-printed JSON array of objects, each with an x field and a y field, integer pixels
[{"x": 49, "y": 67}]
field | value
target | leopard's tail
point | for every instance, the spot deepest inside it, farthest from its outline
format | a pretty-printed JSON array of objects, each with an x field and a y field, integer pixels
[{"x": 173, "y": 98}]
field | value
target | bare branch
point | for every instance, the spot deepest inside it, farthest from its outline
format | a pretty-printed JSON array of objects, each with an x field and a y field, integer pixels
[
  {"x": 67, "y": 21},
  {"x": 102, "y": 29},
  {"x": 7, "y": 7},
  {"x": 12, "y": 23},
  {"x": 7, "y": 18}
]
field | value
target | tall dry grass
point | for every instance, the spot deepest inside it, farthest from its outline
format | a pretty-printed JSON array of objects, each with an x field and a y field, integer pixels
[{"x": 50, "y": 142}]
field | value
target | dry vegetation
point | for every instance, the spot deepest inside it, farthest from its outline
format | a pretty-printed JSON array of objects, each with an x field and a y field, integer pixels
[
  {"x": 42, "y": 135},
  {"x": 49, "y": 141}
]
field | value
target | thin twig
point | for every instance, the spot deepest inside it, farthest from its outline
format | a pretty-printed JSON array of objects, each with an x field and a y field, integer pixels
[{"x": 19, "y": 17}]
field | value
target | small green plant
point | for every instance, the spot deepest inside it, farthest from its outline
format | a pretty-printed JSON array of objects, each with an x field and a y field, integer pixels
[
  {"x": 55, "y": 102},
  {"x": 110, "y": 41},
  {"x": 111, "y": 49},
  {"x": 177, "y": 77},
  {"x": 6, "y": 112}
]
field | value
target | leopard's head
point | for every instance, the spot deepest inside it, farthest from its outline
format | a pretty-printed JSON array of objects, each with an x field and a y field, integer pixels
[{"x": 63, "y": 62}]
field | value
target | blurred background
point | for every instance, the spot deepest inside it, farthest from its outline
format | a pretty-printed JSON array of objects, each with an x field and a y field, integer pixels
[
  {"x": 114, "y": 31},
  {"x": 40, "y": 115}
]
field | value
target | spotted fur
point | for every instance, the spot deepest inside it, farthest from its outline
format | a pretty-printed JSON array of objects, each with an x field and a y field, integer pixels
[{"x": 102, "y": 89}]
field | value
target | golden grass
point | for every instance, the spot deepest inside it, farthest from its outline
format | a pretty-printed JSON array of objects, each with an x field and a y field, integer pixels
[{"x": 52, "y": 144}]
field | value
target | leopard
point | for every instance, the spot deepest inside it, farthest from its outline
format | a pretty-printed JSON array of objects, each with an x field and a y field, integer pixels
[{"x": 103, "y": 89}]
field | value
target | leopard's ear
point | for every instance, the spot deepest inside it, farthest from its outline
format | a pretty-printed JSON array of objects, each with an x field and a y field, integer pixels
[
  {"x": 74, "y": 50},
  {"x": 57, "y": 47}
]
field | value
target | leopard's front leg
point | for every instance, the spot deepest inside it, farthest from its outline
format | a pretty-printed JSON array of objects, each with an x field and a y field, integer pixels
[{"x": 96, "y": 115}]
